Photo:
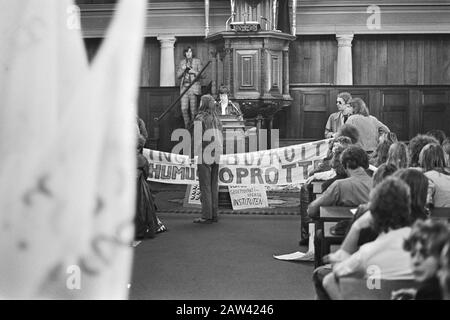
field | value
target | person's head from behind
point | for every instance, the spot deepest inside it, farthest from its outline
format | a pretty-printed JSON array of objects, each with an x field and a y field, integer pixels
[
  {"x": 439, "y": 135},
  {"x": 336, "y": 163},
  {"x": 425, "y": 244},
  {"x": 390, "y": 205},
  {"x": 398, "y": 155},
  {"x": 381, "y": 152},
  {"x": 415, "y": 146},
  {"x": 432, "y": 158},
  {"x": 348, "y": 130},
  {"x": 343, "y": 100},
  {"x": 384, "y": 171},
  {"x": 418, "y": 186},
  {"x": 188, "y": 53},
  {"x": 207, "y": 104},
  {"x": 444, "y": 271},
  {"x": 341, "y": 142},
  {"x": 353, "y": 158},
  {"x": 358, "y": 106}
]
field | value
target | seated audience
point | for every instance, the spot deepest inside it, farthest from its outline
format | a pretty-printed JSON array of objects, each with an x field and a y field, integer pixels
[
  {"x": 337, "y": 119},
  {"x": 356, "y": 237},
  {"x": 432, "y": 161},
  {"x": 425, "y": 245},
  {"x": 444, "y": 272},
  {"x": 381, "y": 153},
  {"x": 415, "y": 146},
  {"x": 398, "y": 155},
  {"x": 388, "y": 136},
  {"x": 390, "y": 210},
  {"x": 367, "y": 126},
  {"x": 439, "y": 135}
]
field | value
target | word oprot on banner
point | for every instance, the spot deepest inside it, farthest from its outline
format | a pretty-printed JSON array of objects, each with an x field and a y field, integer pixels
[{"x": 283, "y": 166}]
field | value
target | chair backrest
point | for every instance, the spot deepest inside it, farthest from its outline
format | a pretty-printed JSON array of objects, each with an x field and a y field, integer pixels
[{"x": 358, "y": 289}]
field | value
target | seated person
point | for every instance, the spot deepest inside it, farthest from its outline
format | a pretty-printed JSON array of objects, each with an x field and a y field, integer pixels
[
  {"x": 359, "y": 233},
  {"x": 432, "y": 161},
  {"x": 226, "y": 106},
  {"x": 425, "y": 244},
  {"x": 390, "y": 211},
  {"x": 439, "y": 135},
  {"x": 398, "y": 155},
  {"x": 349, "y": 192},
  {"x": 416, "y": 145}
]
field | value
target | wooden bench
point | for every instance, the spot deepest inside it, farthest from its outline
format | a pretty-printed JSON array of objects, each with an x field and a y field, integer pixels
[
  {"x": 329, "y": 239},
  {"x": 440, "y": 214}
]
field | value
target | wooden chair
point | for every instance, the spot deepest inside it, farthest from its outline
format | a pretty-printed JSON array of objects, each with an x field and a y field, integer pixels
[{"x": 357, "y": 289}]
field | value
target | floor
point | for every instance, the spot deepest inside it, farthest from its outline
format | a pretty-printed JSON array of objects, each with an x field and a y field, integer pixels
[{"x": 232, "y": 259}]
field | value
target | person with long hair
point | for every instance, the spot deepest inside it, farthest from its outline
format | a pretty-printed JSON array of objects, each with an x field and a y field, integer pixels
[
  {"x": 418, "y": 185},
  {"x": 432, "y": 162},
  {"x": 368, "y": 126},
  {"x": 208, "y": 153},
  {"x": 416, "y": 145},
  {"x": 188, "y": 70},
  {"x": 398, "y": 155}
]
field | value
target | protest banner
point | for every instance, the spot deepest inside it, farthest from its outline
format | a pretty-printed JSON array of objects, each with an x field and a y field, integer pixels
[
  {"x": 282, "y": 166},
  {"x": 248, "y": 197}
]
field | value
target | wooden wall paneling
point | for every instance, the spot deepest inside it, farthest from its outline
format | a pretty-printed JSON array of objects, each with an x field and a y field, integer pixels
[
  {"x": 152, "y": 103},
  {"x": 395, "y": 61},
  {"x": 435, "y": 110},
  {"x": 411, "y": 61},
  {"x": 395, "y": 111},
  {"x": 381, "y": 77},
  {"x": 357, "y": 64},
  {"x": 315, "y": 106},
  {"x": 415, "y": 102},
  {"x": 295, "y": 116}
]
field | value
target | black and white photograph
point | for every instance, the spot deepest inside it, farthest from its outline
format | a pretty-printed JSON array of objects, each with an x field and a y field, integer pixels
[{"x": 225, "y": 155}]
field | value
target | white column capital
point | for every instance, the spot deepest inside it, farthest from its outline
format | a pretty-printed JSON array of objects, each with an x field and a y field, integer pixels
[
  {"x": 344, "y": 40},
  {"x": 167, "y": 40}
]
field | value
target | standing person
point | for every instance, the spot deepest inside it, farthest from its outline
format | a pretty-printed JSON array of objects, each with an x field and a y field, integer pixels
[
  {"x": 338, "y": 119},
  {"x": 188, "y": 69},
  {"x": 142, "y": 133},
  {"x": 209, "y": 152},
  {"x": 367, "y": 125}
]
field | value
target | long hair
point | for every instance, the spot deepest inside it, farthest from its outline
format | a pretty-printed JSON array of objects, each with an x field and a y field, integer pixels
[
  {"x": 418, "y": 185},
  {"x": 432, "y": 158},
  {"x": 398, "y": 155},
  {"x": 415, "y": 146},
  {"x": 207, "y": 113},
  {"x": 359, "y": 107}
]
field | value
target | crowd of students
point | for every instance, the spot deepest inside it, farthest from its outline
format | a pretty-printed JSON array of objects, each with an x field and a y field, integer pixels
[{"x": 395, "y": 186}]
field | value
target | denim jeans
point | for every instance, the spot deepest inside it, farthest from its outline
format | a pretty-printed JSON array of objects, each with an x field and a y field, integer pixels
[{"x": 208, "y": 175}]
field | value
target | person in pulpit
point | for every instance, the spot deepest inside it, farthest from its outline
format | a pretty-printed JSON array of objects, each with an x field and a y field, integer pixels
[
  {"x": 226, "y": 106},
  {"x": 188, "y": 69}
]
